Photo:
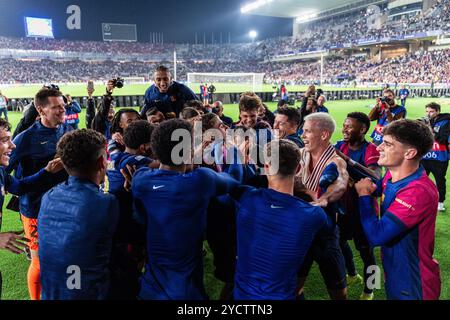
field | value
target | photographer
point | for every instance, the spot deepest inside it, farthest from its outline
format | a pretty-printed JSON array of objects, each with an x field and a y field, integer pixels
[
  {"x": 312, "y": 106},
  {"x": 102, "y": 120},
  {"x": 436, "y": 161},
  {"x": 90, "y": 109},
  {"x": 310, "y": 93},
  {"x": 166, "y": 95},
  {"x": 384, "y": 112},
  {"x": 211, "y": 91}
]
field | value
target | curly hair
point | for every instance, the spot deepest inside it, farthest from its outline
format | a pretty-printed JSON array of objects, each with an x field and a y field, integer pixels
[
  {"x": 138, "y": 133},
  {"x": 80, "y": 149},
  {"x": 161, "y": 141},
  {"x": 115, "y": 123}
]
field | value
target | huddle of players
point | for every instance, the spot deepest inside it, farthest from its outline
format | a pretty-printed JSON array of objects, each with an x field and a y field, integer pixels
[{"x": 264, "y": 239}]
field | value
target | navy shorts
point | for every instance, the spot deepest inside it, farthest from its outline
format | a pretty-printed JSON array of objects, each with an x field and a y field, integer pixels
[
  {"x": 221, "y": 237},
  {"x": 350, "y": 223}
]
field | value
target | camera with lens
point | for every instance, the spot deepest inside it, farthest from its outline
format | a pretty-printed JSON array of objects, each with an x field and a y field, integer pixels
[
  {"x": 386, "y": 102},
  {"x": 319, "y": 92},
  {"x": 118, "y": 82},
  {"x": 211, "y": 89},
  {"x": 52, "y": 86}
]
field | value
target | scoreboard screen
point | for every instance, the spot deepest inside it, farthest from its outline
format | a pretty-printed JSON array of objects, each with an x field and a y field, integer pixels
[
  {"x": 38, "y": 27},
  {"x": 119, "y": 32}
]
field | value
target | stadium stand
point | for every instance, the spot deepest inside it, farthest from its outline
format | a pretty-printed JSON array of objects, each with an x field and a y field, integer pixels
[{"x": 75, "y": 61}]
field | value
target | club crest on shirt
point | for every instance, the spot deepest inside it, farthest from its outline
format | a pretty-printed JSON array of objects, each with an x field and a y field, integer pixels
[{"x": 111, "y": 165}]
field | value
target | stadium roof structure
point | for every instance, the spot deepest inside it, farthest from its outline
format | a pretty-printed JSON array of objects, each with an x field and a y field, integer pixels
[{"x": 301, "y": 8}]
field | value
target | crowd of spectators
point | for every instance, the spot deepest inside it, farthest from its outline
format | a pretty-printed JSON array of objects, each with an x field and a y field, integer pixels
[
  {"x": 85, "y": 46},
  {"x": 416, "y": 67},
  {"x": 38, "y": 70},
  {"x": 351, "y": 27},
  {"x": 135, "y": 49},
  {"x": 419, "y": 67}
]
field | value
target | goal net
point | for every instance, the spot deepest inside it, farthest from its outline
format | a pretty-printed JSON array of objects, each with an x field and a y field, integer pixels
[
  {"x": 134, "y": 80},
  {"x": 232, "y": 82}
]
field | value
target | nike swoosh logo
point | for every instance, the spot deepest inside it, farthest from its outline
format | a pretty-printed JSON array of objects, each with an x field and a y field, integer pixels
[
  {"x": 157, "y": 187},
  {"x": 44, "y": 142},
  {"x": 275, "y": 207}
]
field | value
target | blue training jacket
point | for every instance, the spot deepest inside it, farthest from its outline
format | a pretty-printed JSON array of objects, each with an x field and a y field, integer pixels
[
  {"x": 18, "y": 187},
  {"x": 170, "y": 101},
  {"x": 274, "y": 232},
  {"x": 76, "y": 233},
  {"x": 35, "y": 147},
  {"x": 176, "y": 225},
  {"x": 127, "y": 231}
]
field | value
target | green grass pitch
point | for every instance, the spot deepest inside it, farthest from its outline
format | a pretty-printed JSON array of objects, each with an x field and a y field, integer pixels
[
  {"x": 14, "y": 268},
  {"x": 79, "y": 90}
]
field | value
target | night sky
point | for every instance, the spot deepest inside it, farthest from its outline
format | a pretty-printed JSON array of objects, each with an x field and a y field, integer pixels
[{"x": 179, "y": 20}]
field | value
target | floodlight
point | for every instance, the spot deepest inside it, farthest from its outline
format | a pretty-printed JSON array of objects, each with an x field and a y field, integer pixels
[{"x": 254, "y": 5}]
